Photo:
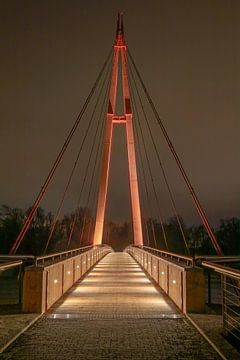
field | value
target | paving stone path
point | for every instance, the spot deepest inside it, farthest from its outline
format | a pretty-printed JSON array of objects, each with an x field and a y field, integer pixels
[{"x": 115, "y": 312}]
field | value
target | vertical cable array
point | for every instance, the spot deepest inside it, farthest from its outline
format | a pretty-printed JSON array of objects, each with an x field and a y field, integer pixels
[
  {"x": 178, "y": 161},
  {"x": 56, "y": 163},
  {"x": 170, "y": 193}
]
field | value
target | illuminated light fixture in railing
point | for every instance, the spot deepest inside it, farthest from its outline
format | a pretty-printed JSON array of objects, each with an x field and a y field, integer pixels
[
  {"x": 55, "y": 281},
  {"x": 154, "y": 266},
  {"x": 174, "y": 281},
  {"x": 69, "y": 272},
  {"x": 77, "y": 266},
  {"x": 88, "y": 259},
  {"x": 162, "y": 272},
  {"x": 84, "y": 262},
  {"x": 149, "y": 262}
]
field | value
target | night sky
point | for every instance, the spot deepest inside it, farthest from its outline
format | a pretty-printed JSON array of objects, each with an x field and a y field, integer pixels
[{"x": 188, "y": 54}]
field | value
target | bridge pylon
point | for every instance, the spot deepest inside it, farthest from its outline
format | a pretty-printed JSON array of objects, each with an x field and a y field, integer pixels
[{"x": 119, "y": 49}]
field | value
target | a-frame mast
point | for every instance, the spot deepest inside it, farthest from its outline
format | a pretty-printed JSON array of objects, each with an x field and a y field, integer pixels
[{"x": 126, "y": 119}]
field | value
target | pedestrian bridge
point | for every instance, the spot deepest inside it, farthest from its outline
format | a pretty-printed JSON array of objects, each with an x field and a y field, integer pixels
[
  {"x": 100, "y": 304},
  {"x": 53, "y": 275}
]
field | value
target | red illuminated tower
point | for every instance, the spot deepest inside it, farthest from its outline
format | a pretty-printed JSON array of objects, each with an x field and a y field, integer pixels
[{"x": 126, "y": 120}]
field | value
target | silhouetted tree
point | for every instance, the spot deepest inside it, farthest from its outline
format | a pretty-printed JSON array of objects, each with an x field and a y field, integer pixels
[
  {"x": 116, "y": 235},
  {"x": 228, "y": 235},
  {"x": 11, "y": 221},
  {"x": 199, "y": 241}
]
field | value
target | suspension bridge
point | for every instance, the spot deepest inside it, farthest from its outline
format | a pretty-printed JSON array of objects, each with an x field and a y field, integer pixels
[{"x": 95, "y": 303}]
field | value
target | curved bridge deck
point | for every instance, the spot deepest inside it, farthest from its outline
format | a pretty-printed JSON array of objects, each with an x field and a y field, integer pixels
[{"x": 115, "y": 312}]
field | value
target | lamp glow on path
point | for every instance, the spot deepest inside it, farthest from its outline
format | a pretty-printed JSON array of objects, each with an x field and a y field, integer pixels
[{"x": 112, "y": 288}]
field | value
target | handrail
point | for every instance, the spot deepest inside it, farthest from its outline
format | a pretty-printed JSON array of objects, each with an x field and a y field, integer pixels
[
  {"x": 16, "y": 257},
  {"x": 43, "y": 257},
  {"x": 60, "y": 255},
  {"x": 167, "y": 254},
  {"x": 225, "y": 270},
  {"x": 65, "y": 254},
  {"x": 10, "y": 265},
  {"x": 185, "y": 257},
  {"x": 217, "y": 259}
]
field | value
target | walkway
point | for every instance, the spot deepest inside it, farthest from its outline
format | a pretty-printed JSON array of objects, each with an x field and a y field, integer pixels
[{"x": 115, "y": 312}]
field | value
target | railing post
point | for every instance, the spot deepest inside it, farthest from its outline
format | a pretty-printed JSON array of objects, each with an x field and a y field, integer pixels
[
  {"x": 20, "y": 283},
  {"x": 224, "y": 305},
  {"x": 209, "y": 287}
]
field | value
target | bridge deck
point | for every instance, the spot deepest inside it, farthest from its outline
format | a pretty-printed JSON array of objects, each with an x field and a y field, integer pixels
[
  {"x": 115, "y": 312},
  {"x": 116, "y": 287}
]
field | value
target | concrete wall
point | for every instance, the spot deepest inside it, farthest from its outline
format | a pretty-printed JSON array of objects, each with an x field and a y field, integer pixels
[
  {"x": 44, "y": 285},
  {"x": 185, "y": 285}
]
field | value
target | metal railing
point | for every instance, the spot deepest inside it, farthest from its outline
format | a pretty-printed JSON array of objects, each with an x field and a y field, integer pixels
[
  {"x": 60, "y": 256},
  {"x": 230, "y": 281},
  {"x": 12, "y": 269},
  {"x": 11, "y": 282},
  {"x": 217, "y": 259},
  {"x": 10, "y": 264},
  {"x": 49, "y": 258},
  {"x": 173, "y": 257}
]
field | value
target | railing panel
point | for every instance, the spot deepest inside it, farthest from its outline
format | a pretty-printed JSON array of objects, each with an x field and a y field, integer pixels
[
  {"x": 163, "y": 275},
  {"x": 54, "y": 284},
  {"x": 44, "y": 285},
  {"x": 175, "y": 274},
  {"x": 77, "y": 268},
  {"x": 68, "y": 276},
  {"x": 230, "y": 281},
  {"x": 155, "y": 271},
  {"x": 84, "y": 263},
  {"x": 10, "y": 282},
  {"x": 175, "y": 286},
  {"x": 149, "y": 264}
]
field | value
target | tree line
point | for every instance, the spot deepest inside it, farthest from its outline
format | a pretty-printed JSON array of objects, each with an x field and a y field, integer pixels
[{"x": 65, "y": 236}]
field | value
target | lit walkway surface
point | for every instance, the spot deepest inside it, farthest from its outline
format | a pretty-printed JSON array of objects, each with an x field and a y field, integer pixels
[
  {"x": 115, "y": 312},
  {"x": 116, "y": 287}
]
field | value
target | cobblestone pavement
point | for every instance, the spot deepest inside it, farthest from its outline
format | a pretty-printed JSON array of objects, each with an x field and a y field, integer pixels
[
  {"x": 114, "y": 313},
  {"x": 11, "y": 325},
  {"x": 212, "y": 327}
]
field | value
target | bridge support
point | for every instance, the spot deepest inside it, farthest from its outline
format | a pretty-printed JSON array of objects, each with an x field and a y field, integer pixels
[{"x": 119, "y": 48}]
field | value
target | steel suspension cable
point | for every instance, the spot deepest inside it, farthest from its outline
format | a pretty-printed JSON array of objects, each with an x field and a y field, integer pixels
[
  {"x": 143, "y": 169},
  {"x": 95, "y": 186},
  {"x": 75, "y": 163},
  {"x": 149, "y": 167},
  {"x": 179, "y": 163},
  {"x": 88, "y": 165},
  {"x": 98, "y": 158},
  {"x": 93, "y": 174},
  {"x": 52, "y": 171},
  {"x": 174, "y": 207},
  {"x": 144, "y": 207},
  {"x": 142, "y": 172}
]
